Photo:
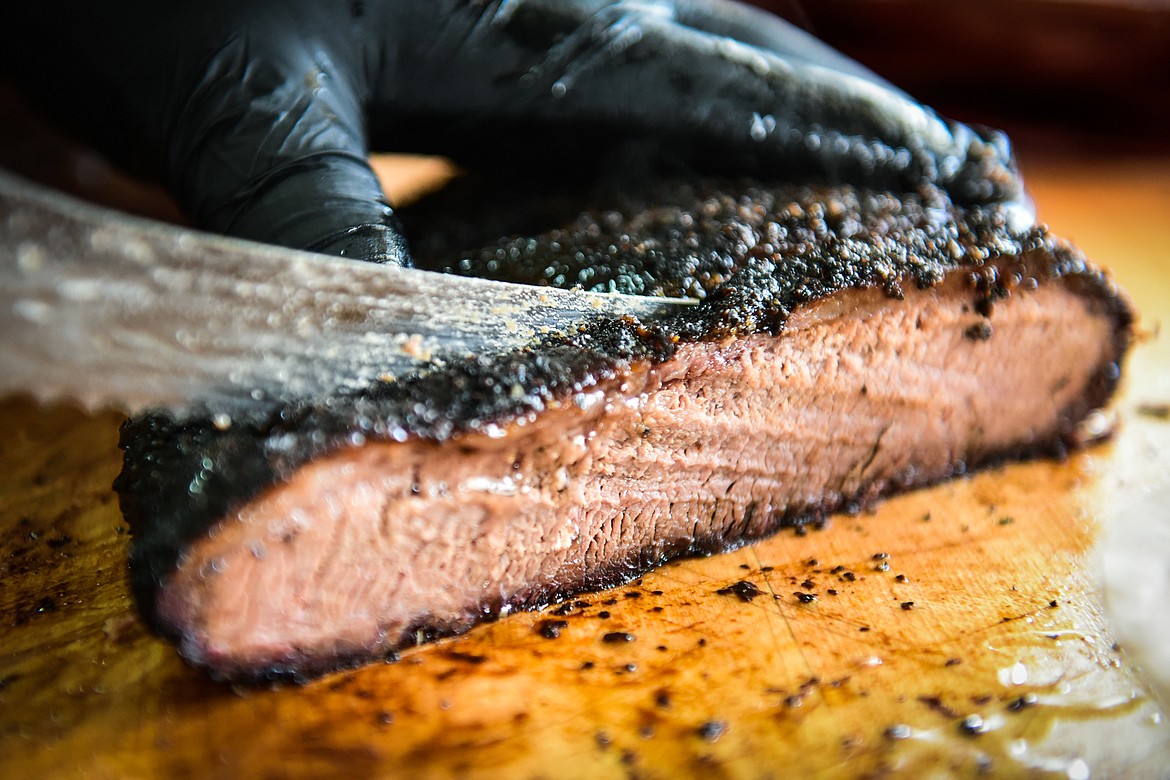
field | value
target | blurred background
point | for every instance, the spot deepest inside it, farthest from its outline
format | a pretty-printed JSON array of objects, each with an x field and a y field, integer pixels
[{"x": 1098, "y": 70}]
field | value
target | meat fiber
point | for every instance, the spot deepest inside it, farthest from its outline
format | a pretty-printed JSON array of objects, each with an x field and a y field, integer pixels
[{"x": 849, "y": 344}]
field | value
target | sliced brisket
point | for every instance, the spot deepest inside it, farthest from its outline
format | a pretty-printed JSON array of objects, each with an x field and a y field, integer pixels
[{"x": 849, "y": 344}]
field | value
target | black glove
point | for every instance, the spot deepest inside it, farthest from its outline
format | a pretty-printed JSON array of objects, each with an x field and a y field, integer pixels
[{"x": 259, "y": 116}]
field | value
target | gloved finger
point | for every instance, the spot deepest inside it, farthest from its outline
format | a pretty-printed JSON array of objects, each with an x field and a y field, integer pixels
[
  {"x": 768, "y": 99},
  {"x": 248, "y": 113},
  {"x": 975, "y": 164},
  {"x": 768, "y": 32}
]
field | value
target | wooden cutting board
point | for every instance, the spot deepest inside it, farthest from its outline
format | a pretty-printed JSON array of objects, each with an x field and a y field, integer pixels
[{"x": 954, "y": 630}]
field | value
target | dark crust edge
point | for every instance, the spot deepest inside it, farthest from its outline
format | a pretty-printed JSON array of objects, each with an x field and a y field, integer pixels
[{"x": 180, "y": 477}]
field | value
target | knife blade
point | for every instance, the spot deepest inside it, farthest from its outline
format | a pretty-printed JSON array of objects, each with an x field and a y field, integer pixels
[{"x": 109, "y": 310}]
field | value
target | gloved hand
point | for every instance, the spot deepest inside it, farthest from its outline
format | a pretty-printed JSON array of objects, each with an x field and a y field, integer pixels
[{"x": 259, "y": 116}]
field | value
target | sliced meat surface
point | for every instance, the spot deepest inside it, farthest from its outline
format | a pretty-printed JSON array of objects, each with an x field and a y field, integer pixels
[{"x": 850, "y": 344}]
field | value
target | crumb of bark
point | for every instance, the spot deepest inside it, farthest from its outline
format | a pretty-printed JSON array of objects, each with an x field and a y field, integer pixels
[
  {"x": 743, "y": 590},
  {"x": 617, "y": 637},
  {"x": 551, "y": 629},
  {"x": 980, "y": 331},
  {"x": 712, "y": 730}
]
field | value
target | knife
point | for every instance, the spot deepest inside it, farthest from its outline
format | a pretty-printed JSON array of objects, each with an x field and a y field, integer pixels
[{"x": 109, "y": 310}]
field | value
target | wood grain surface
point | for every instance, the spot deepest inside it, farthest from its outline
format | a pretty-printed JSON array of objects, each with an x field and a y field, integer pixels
[{"x": 952, "y": 631}]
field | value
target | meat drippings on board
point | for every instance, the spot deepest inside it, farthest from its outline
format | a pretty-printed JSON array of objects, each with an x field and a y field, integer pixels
[{"x": 830, "y": 362}]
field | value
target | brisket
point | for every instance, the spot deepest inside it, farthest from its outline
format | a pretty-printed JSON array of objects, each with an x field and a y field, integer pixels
[{"x": 848, "y": 344}]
